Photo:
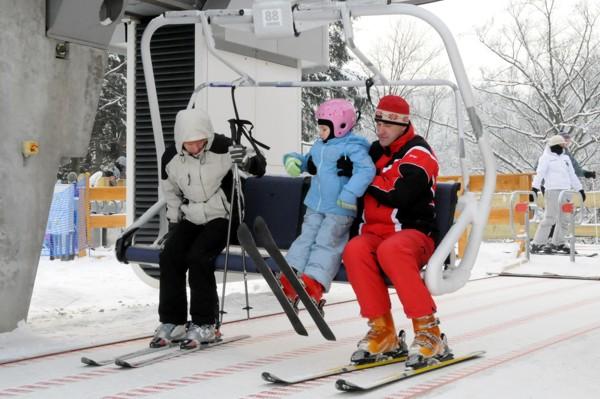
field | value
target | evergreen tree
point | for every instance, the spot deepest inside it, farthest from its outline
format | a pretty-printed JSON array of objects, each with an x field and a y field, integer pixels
[{"x": 108, "y": 138}]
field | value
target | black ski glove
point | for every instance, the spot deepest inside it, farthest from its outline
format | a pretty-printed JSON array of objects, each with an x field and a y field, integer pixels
[
  {"x": 344, "y": 165},
  {"x": 237, "y": 153},
  {"x": 311, "y": 168},
  {"x": 582, "y": 195},
  {"x": 531, "y": 196},
  {"x": 588, "y": 174}
]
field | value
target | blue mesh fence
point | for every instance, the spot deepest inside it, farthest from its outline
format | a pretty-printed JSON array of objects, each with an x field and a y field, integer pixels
[{"x": 61, "y": 231}]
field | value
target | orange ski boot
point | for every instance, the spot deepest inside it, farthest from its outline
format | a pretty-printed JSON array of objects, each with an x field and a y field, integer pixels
[
  {"x": 430, "y": 345},
  {"x": 381, "y": 341}
]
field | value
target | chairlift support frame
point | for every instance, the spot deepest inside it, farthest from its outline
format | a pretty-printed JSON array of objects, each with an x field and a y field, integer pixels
[
  {"x": 564, "y": 198},
  {"x": 474, "y": 212}
]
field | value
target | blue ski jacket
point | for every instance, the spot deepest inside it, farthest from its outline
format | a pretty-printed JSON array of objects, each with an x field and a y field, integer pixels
[{"x": 326, "y": 186}]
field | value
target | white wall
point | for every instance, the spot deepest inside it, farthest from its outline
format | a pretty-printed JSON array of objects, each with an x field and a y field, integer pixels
[{"x": 275, "y": 112}]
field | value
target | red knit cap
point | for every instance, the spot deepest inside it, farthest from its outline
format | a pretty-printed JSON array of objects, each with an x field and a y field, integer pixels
[{"x": 393, "y": 109}]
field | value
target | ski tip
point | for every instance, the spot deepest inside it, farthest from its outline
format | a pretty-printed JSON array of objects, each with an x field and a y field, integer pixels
[
  {"x": 259, "y": 220},
  {"x": 343, "y": 385},
  {"x": 122, "y": 363},
  {"x": 89, "y": 362},
  {"x": 244, "y": 234},
  {"x": 269, "y": 377}
]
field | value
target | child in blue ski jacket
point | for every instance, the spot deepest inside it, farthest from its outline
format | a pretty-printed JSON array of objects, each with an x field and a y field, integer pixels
[{"x": 331, "y": 200}]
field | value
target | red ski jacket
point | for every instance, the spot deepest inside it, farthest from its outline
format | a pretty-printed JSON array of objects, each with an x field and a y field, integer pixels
[{"x": 402, "y": 193}]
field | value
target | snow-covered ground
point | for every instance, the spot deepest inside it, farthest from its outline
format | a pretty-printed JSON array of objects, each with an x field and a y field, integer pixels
[{"x": 95, "y": 300}]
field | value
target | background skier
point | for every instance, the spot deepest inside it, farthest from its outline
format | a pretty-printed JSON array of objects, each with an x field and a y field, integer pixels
[{"x": 556, "y": 171}]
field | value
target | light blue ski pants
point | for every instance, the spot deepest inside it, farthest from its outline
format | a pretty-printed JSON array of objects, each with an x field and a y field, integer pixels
[{"x": 318, "y": 249}]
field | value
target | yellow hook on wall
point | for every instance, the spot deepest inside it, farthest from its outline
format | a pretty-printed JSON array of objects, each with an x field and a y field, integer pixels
[{"x": 30, "y": 147}]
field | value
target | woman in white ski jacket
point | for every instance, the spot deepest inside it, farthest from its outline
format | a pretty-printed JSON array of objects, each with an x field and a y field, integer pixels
[
  {"x": 196, "y": 181},
  {"x": 556, "y": 172}
]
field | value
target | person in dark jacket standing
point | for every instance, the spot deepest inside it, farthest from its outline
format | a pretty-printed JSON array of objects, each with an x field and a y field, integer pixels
[
  {"x": 396, "y": 238},
  {"x": 579, "y": 171},
  {"x": 196, "y": 181}
]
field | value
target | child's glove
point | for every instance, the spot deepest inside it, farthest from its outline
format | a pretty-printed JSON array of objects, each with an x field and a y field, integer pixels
[
  {"x": 344, "y": 165},
  {"x": 293, "y": 166},
  {"x": 311, "y": 167},
  {"x": 346, "y": 205}
]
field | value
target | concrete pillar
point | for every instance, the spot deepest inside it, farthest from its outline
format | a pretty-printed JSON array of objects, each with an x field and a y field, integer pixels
[{"x": 52, "y": 101}]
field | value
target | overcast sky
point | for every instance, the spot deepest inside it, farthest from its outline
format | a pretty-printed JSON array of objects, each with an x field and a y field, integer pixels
[{"x": 462, "y": 17}]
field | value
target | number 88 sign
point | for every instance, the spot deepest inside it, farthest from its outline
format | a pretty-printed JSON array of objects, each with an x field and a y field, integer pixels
[{"x": 272, "y": 17}]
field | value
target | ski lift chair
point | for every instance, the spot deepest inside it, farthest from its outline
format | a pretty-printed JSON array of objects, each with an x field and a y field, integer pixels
[{"x": 441, "y": 277}]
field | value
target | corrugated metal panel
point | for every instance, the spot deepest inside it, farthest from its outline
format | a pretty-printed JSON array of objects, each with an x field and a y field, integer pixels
[{"x": 172, "y": 50}]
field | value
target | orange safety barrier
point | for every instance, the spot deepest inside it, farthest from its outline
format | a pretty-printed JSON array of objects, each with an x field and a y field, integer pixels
[
  {"x": 102, "y": 193},
  {"x": 505, "y": 183}
]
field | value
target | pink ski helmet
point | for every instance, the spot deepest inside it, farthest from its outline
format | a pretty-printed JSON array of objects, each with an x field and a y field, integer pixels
[{"x": 340, "y": 113}]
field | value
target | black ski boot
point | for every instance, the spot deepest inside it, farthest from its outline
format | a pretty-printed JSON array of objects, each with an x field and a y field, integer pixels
[
  {"x": 563, "y": 249},
  {"x": 536, "y": 248},
  {"x": 548, "y": 249}
]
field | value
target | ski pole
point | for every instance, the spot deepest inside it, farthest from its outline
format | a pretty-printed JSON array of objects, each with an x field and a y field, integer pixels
[{"x": 596, "y": 210}]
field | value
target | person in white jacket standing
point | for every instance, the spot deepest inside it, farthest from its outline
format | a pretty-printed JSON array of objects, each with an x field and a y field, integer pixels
[{"x": 556, "y": 172}]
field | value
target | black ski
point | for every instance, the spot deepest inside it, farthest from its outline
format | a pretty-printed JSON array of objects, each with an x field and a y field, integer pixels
[
  {"x": 583, "y": 255},
  {"x": 247, "y": 242},
  {"x": 548, "y": 275},
  {"x": 266, "y": 240},
  {"x": 174, "y": 352}
]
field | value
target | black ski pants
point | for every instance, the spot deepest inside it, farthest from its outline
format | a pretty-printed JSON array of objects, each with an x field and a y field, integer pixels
[{"x": 191, "y": 248}]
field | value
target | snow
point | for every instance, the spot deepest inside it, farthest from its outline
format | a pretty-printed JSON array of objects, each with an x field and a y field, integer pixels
[{"x": 96, "y": 300}]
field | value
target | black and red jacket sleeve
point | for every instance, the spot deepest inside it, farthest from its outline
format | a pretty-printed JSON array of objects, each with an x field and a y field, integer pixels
[{"x": 404, "y": 187}]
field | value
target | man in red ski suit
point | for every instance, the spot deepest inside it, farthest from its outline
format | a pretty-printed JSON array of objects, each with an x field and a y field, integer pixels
[{"x": 396, "y": 238}]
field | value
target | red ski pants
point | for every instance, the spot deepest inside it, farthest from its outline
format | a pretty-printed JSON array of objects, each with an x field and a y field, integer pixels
[{"x": 400, "y": 256}]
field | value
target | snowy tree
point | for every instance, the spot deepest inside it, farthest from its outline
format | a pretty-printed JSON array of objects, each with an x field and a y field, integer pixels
[
  {"x": 107, "y": 141},
  {"x": 312, "y": 97},
  {"x": 548, "y": 78},
  {"x": 410, "y": 51}
]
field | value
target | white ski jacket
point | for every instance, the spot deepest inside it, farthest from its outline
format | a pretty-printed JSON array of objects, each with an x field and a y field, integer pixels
[
  {"x": 196, "y": 188},
  {"x": 556, "y": 172}
]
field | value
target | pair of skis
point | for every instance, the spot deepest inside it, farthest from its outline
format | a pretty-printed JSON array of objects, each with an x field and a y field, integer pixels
[
  {"x": 583, "y": 255},
  {"x": 345, "y": 384},
  {"x": 144, "y": 357},
  {"x": 265, "y": 239}
]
